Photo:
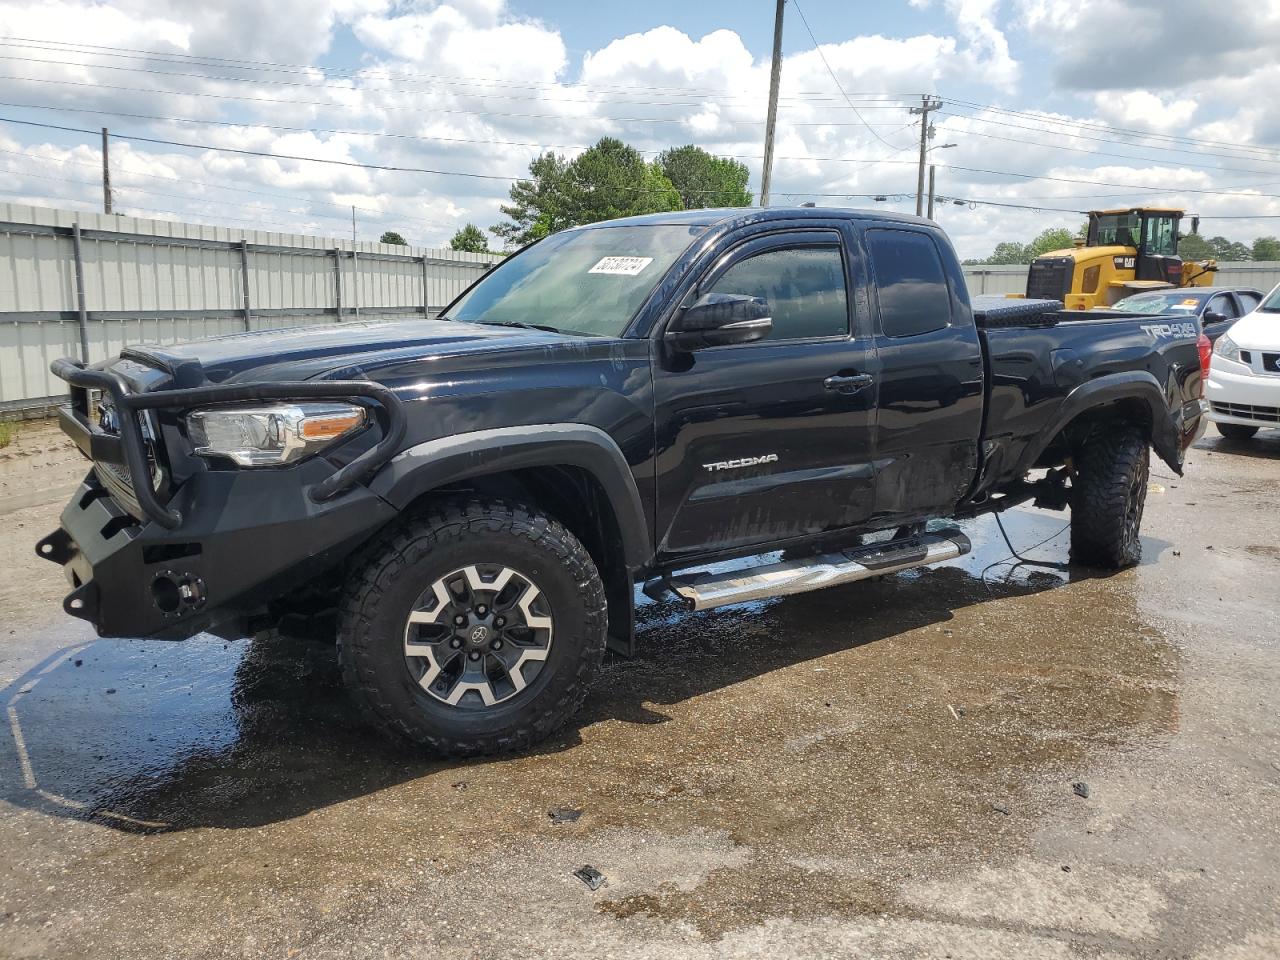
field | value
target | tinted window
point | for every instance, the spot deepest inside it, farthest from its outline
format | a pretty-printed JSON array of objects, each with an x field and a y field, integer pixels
[
  {"x": 804, "y": 287},
  {"x": 1249, "y": 301},
  {"x": 1222, "y": 304},
  {"x": 913, "y": 292}
]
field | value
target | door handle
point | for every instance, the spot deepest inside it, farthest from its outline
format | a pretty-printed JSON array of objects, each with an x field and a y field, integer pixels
[{"x": 848, "y": 384}]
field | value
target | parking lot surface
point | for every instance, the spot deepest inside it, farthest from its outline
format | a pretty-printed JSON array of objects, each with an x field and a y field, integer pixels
[{"x": 985, "y": 759}]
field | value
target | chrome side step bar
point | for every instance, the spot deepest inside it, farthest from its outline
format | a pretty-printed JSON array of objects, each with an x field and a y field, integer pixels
[{"x": 704, "y": 590}]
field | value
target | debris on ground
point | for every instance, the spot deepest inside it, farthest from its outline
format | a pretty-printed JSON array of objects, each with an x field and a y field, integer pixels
[
  {"x": 1081, "y": 789},
  {"x": 589, "y": 875},
  {"x": 563, "y": 814},
  {"x": 1000, "y": 808}
]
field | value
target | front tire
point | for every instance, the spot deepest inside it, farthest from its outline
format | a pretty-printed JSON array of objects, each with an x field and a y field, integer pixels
[
  {"x": 1236, "y": 431},
  {"x": 1109, "y": 491},
  {"x": 473, "y": 629}
]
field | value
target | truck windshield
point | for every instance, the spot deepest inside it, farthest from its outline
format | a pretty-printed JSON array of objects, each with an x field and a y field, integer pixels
[
  {"x": 1272, "y": 303},
  {"x": 590, "y": 281},
  {"x": 1173, "y": 302}
]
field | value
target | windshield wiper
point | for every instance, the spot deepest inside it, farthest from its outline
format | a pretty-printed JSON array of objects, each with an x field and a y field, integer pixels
[{"x": 518, "y": 323}]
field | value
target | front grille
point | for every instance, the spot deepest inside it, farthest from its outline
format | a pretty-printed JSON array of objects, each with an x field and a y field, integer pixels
[
  {"x": 1049, "y": 278},
  {"x": 1248, "y": 411},
  {"x": 1271, "y": 362}
]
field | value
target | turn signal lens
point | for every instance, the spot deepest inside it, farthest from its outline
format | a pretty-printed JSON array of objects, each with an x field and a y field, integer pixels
[{"x": 330, "y": 427}]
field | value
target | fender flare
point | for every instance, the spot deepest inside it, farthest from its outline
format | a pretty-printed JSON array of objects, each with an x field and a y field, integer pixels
[
  {"x": 435, "y": 463},
  {"x": 1129, "y": 385}
]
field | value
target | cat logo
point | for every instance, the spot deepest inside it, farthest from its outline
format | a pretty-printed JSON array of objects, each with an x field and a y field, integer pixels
[
  {"x": 1125, "y": 263},
  {"x": 740, "y": 462}
]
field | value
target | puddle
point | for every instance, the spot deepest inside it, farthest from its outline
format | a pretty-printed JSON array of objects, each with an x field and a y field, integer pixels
[{"x": 842, "y": 741}]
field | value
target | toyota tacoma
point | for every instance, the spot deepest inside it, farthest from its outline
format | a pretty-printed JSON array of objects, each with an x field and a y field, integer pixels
[{"x": 468, "y": 502}]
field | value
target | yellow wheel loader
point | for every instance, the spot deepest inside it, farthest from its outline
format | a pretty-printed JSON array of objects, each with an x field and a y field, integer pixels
[{"x": 1125, "y": 252}]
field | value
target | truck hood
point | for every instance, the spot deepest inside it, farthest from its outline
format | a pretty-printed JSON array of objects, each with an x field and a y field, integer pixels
[
  {"x": 304, "y": 353},
  {"x": 1259, "y": 330}
]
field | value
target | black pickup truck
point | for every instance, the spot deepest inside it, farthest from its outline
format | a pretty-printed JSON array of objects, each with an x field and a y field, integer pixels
[{"x": 475, "y": 497}]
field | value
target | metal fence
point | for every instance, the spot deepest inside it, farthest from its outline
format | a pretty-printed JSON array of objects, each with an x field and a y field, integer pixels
[
  {"x": 84, "y": 285},
  {"x": 1261, "y": 275}
]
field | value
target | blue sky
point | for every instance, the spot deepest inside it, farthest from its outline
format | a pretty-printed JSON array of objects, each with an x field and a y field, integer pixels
[{"x": 1055, "y": 108}]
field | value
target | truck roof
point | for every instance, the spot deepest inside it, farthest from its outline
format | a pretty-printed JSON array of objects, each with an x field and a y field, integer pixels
[{"x": 720, "y": 216}]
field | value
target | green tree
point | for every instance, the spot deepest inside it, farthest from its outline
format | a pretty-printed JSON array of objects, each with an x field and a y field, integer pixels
[
  {"x": 1195, "y": 247},
  {"x": 1055, "y": 238},
  {"x": 611, "y": 179},
  {"x": 1266, "y": 248},
  {"x": 393, "y": 238},
  {"x": 704, "y": 180},
  {"x": 1010, "y": 251},
  {"x": 470, "y": 239},
  {"x": 1229, "y": 250}
]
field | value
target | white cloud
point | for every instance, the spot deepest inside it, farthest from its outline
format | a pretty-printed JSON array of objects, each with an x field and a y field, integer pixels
[{"x": 510, "y": 89}]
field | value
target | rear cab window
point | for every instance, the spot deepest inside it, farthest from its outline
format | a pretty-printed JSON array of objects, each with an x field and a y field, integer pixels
[{"x": 911, "y": 282}]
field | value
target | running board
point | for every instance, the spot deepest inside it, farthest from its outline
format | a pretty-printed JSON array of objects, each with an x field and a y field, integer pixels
[{"x": 704, "y": 590}]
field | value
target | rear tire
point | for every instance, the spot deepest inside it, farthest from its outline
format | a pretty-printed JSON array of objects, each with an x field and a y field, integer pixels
[
  {"x": 520, "y": 664},
  {"x": 1236, "y": 431},
  {"x": 1109, "y": 490}
]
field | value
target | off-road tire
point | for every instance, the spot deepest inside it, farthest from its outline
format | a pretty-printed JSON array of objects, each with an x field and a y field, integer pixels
[
  {"x": 1236, "y": 431},
  {"x": 393, "y": 573},
  {"x": 1108, "y": 492}
]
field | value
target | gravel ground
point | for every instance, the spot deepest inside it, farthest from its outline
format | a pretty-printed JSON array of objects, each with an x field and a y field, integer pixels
[{"x": 880, "y": 770}]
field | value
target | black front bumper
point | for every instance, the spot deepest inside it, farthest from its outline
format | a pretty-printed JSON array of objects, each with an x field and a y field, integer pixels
[
  {"x": 148, "y": 562},
  {"x": 246, "y": 539}
]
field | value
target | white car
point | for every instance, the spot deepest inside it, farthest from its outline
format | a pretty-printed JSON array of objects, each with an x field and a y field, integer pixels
[{"x": 1244, "y": 373}]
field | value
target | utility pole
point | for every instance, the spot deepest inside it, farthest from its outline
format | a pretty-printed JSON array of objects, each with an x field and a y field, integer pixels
[
  {"x": 775, "y": 75},
  {"x": 927, "y": 105},
  {"x": 932, "y": 171},
  {"x": 355, "y": 265},
  {"x": 106, "y": 173}
]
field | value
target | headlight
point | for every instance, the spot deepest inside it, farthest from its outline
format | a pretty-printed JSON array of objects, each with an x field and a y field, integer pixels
[
  {"x": 270, "y": 436},
  {"x": 1227, "y": 349}
]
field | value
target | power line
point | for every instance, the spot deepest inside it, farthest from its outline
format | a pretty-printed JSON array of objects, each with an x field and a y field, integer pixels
[
  {"x": 274, "y": 156},
  {"x": 1105, "y": 153},
  {"x": 836, "y": 80},
  {"x": 698, "y": 98},
  {"x": 268, "y": 66},
  {"x": 215, "y": 185},
  {"x": 1126, "y": 143},
  {"x": 475, "y": 113},
  {"x": 1123, "y": 131}
]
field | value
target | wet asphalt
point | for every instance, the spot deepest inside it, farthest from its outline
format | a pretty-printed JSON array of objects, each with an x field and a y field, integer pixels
[{"x": 884, "y": 769}]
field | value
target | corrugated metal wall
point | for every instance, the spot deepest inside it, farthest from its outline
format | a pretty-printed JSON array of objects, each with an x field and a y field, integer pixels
[
  {"x": 1261, "y": 275},
  {"x": 164, "y": 282}
]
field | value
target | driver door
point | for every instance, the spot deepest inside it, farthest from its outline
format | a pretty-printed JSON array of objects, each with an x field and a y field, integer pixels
[{"x": 772, "y": 440}]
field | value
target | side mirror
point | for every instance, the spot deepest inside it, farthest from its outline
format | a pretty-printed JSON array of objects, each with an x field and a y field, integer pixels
[
  {"x": 719, "y": 319},
  {"x": 1213, "y": 316}
]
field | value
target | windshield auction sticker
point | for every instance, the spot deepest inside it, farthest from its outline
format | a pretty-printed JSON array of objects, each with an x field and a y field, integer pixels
[{"x": 621, "y": 266}]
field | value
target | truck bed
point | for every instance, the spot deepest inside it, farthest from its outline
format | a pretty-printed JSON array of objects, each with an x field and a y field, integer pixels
[{"x": 1037, "y": 352}]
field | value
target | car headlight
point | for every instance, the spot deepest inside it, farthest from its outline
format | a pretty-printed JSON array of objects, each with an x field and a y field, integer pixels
[
  {"x": 1227, "y": 349},
  {"x": 272, "y": 435}
]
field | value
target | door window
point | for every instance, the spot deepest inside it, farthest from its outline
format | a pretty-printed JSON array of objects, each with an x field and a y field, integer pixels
[
  {"x": 804, "y": 287},
  {"x": 1249, "y": 301},
  {"x": 1222, "y": 304},
  {"x": 1161, "y": 238},
  {"x": 911, "y": 286}
]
